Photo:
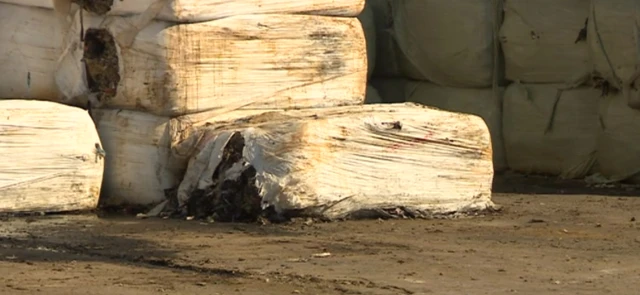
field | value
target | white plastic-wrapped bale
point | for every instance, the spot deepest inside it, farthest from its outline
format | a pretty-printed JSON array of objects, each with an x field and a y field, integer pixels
[
  {"x": 199, "y": 10},
  {"x": 545, "y": 41},
  {"x": 551, "y": 131},
  {"x": 327, "y": 162},
  {"x": 613, "y": 38},
  {"x": 485, "y": 103},
  {"x": 50, "y": 160},
  {"x": 450, "y": 43},
  {"x": 30, "y": 43},
  {"x": 391, "y": 90},
  {"x": 248, "y": 61},
  {"x": 368, "y": 25},
  {"x": 618, "y": 150}
]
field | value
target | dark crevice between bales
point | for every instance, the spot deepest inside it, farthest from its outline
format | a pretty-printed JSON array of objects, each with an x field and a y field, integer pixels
[{"x": 101, "y": 63}]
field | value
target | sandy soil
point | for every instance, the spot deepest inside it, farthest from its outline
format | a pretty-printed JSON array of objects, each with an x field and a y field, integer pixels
[{"x": 574, "y": 243}]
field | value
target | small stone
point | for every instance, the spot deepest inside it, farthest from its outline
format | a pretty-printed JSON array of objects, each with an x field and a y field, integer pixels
[{"x": 201, "y": 284}]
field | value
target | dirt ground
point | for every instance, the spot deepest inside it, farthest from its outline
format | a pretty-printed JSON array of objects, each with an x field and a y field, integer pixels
[{"x": 542, "y": 242}]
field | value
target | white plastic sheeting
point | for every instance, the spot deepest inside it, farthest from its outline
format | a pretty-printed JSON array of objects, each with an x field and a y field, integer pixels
[
  {"x": 248, "y": 61},
  {"x": 327, "y": 162},
  {"x": 48, "y": 160}
]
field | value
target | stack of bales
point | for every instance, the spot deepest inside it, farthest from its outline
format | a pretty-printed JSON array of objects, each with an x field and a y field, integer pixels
[
  {"x": 140, "y": 65},
  {"x": 442, "y": 54},
  {"x": 570, "y": 109},
  {"x": 550, "y": 118},
  {"x": 556, "y": 91},
  {"x": 49, "y": 152}
]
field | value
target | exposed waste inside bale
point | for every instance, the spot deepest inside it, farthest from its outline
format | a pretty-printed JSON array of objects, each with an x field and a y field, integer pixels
[
  {"x": 233, "y": 197},
  {"x": 101, "y": 62},
  {"x": 99, "y": 7}
]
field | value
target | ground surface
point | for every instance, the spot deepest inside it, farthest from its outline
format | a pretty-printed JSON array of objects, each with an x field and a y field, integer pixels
[{"x": 538, "y": 244}]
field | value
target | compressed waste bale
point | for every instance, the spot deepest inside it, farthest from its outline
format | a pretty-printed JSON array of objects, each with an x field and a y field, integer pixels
[
  {"x": 199, "y": 10},
  {"x": 551, "y": 131},
  {"x": 449, "y": 43},
  {"x": 545, "y": 41},
  {"x": 339, "y": 162},
  {"x": 51, "y": 158},
  {"x": 251, "y": 61}
]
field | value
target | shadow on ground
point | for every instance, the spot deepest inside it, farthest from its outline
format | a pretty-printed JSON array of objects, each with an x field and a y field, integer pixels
[{"x": 511, "y": 183}]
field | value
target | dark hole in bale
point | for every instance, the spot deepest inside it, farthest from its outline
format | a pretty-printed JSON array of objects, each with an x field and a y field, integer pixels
[
  {"x": 99, "y": 7},
  {"x": 229, "y": 200},
  {"x": 101, "y": 62}
]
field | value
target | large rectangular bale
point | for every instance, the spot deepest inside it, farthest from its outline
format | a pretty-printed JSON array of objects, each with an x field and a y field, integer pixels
[
  {"x": 545, "y": 41},
  {"x": 30, "y": 43},
  {"x": 551, "y": 131},
  {"x": 450, "y": 43},
  {"x": 248, "y": 61},
  {"x": 339, "y": 162},
  {"x": 50, "y": 158},
  {"x": 199, "y": 10}
]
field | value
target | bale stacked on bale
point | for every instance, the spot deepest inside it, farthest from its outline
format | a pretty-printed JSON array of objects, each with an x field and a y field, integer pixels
[
  {"x": 248, "y": 61},
  {"x": 51, "y": 158},
  {"x": 158, "y": 60},
  {"x": 157, "y": 70}
]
